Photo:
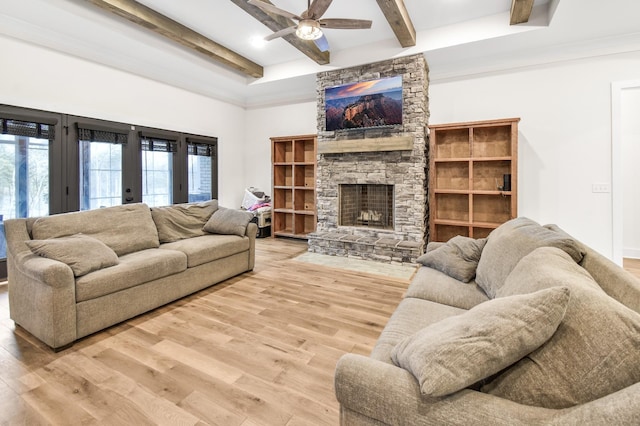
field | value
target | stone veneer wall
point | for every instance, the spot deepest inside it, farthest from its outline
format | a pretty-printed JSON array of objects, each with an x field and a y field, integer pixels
[{"x": 407, "y": 169}]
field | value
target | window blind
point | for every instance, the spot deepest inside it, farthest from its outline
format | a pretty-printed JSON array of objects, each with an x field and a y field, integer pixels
[
  {"x": 93, "y": 133},
  {"x": 156, "y": 144},
  {"x": 31, "y": 129},
  {"x": 201, "y": 147}
]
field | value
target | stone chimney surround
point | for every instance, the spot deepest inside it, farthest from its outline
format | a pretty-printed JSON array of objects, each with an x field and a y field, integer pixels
[{"x": 392, "y": 155}]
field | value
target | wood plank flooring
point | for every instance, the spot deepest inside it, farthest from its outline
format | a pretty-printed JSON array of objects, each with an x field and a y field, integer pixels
[{"x": 259, "y": 349}]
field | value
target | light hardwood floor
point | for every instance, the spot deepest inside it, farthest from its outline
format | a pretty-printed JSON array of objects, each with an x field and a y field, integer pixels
[{"x": 259, "y": 349}]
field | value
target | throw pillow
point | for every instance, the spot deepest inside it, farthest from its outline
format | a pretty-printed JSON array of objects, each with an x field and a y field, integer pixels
[
  {"x": 228, "y": 221},
  {"x": 457, "y": 258},
  {"x": 181, "y": 221},
  {"x": 458, "y": 351},
  {"x": 81, "y": 252},
  {"x": 594, "y": 352},
  {"x": 509, "y": 243}
]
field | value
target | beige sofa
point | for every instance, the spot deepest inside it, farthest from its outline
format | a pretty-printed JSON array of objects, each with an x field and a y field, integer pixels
[
  {"x": 73, "y": 274},
  {"x": 556, "y": 342}
]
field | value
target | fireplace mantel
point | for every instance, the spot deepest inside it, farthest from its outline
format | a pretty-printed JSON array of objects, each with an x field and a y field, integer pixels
[{"x": 394, "y": 143}]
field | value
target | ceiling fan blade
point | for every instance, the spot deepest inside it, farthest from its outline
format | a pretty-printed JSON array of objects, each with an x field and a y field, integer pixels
[
  {"x": 345, "y": 24},
  {"x": 322, "y": 43},
  {"x": 281, "y": 33},
  {"x": 317, "y": 9},
  {"x": 269, "y": 8}
]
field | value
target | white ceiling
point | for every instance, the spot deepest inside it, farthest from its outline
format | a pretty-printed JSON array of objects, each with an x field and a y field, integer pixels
[{"x": 458, "y": 37}]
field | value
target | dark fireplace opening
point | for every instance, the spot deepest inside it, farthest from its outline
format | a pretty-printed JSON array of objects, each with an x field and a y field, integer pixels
[{"x": 366, "y": 205}]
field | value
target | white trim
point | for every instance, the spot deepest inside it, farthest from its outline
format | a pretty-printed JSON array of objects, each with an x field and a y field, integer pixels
[{"x": 617, "y": 182}]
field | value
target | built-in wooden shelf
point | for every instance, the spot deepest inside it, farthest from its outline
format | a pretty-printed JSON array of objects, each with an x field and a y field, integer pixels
[
  {"x": 466, "y": 187},
  {"x": 293, "y": 161}
]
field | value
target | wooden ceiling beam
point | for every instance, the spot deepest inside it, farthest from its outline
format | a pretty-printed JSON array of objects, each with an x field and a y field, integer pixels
[
  {"x": 167, "y": 27},
  {"x": 277, "y": 23},
  {"x": 520, "y": 11},
  {"x": 399, "y": 20}
]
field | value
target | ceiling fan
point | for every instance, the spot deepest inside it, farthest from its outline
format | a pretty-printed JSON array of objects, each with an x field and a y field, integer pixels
[{"x": 310, "y": 24}]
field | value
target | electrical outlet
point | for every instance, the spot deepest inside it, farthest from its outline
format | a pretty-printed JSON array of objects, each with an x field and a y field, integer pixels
[{"x": 601, "y": 187}]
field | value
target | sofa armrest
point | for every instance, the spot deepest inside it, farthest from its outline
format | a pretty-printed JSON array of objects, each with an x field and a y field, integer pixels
[
  {"x": 42, "y": 296},
  {"x": 391, "y": 395}
]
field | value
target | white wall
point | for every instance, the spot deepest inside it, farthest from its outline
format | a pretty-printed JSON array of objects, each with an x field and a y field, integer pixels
[
  {"x": 39, "y": 78},
  {"x": 263, "y": 123},
  {"x": 630, "y": 111},
  {"x": 564, "y": 135},
  {"x": 564, "y": 140}
]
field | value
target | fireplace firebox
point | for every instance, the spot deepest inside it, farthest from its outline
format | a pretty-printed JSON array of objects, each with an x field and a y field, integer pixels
[{"x": 366, "y": 205}]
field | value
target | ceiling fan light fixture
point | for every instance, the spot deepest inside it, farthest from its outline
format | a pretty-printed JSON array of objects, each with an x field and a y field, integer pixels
[{"x": 308, "y": 29}]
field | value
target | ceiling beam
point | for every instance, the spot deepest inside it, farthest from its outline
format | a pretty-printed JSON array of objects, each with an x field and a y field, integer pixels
[
  {"x": 399, "y": 20},
  {"x": 277, "y": 23},
  {"x": 520, "y": 11},
  {"x": 167, "y": 27}
]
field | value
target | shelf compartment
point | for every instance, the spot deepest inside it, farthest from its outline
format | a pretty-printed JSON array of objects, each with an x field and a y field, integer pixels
[
  {"x": 481, "y": 232},
  {"x": 304, "y": 224},
  {"x": 452, "y": 207},
  {"x": 492, "y": 141},
  {"x": 304, "y": 151},
  {"x": 452, "y": 143},
  {"x": 283, "y": 199},
  {"x": 305, "y": 176},
  {"x": 452, "y": 175},
  {"x": 283, "y": 222},
  {"x": 305, "y": 200},
  {"x": 283, "y": 152},
  {"x": 488, "y": 175},
  {"x": 491, "y": 208},
  {"x": 446, "y": 232},
  {"x": 282, "y": 175}
]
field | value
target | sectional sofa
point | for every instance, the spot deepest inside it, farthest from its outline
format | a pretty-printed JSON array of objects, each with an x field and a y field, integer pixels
[
  {"x": 526, "y": 327},
  {"x": 73, "y": 274}
]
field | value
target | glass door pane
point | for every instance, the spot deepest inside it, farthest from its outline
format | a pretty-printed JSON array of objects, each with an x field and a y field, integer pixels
[
  {"x": 100, "y": 175},
  {"x": 24, "y": 180},
  {"x": 199, "y": 178},
  {"x": 157, "y": 178}
]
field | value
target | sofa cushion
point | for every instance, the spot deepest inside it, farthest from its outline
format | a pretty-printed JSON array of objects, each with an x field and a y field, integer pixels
[
  {"x": 457, "y": 258},
  {"x": 81, "y": 252},
  {"x": 458, "y": 351},
  {"x": 410, "y": 316},
  {"x": 431, "y": 284},
  {"x": 181, "y": 221},
  {"x": 134, "y": 269},
  {"x": 594, "y": 352},
  {"x": 228, "y": 221},
  {"x": 124, "y": 229},
  {"x": 509, "y": 243},
  {"x": 208, "y": 248}
]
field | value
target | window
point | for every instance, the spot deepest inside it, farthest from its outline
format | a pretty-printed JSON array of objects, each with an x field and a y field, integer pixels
[
  {"x": 157, "y": 170},
  {"x": 200, "y": 159},
  {"x": 100, "y": 167},
  {"x": 24, "y": 171}
]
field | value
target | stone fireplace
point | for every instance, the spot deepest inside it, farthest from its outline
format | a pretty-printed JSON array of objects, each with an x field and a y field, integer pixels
[{"x": 356, "y": 168}]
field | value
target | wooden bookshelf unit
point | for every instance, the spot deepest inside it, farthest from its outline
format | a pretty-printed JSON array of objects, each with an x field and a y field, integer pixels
[
  {"x": 293, "y": 160},
  {"x": 468, "y": 163}
]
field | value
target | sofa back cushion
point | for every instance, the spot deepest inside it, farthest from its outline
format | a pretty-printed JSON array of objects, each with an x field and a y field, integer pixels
[
  {"x": 124, "y": 229},
  {"x": 509, "y": 243},
  {"x": 181, "y": 221},
  {"x": 595, "y": 350}
]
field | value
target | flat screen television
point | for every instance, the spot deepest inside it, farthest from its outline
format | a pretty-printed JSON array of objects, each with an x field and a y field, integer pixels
[{"x": 372, "y": 103}]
